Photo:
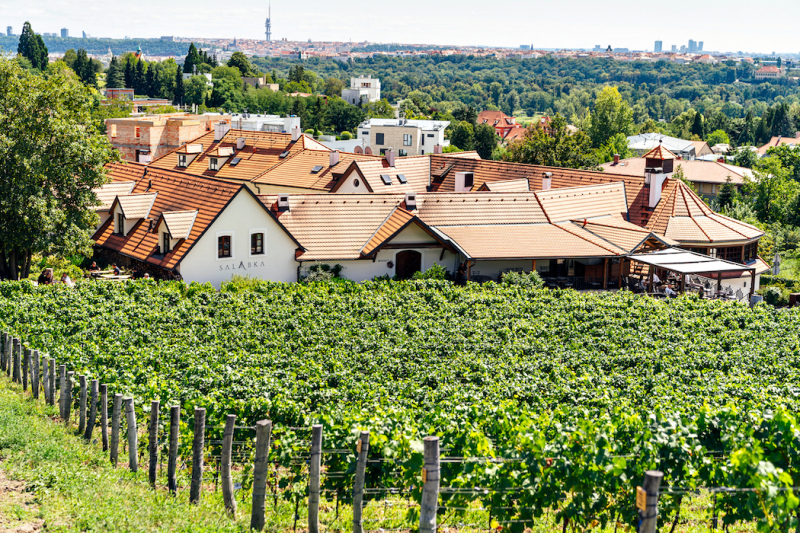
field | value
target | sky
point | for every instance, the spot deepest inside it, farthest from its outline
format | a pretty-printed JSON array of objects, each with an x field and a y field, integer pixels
[{"x": 733, "y": 25}]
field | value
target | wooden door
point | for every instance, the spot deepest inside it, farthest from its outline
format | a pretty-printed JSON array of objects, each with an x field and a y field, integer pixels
[{"x": 407, "y": 263}]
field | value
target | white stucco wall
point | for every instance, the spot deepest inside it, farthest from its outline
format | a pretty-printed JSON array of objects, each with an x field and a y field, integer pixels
[
  {"x": 494, "y": 268},
  {"x": 243, "y": 215},
  {"x": 365, "y": 270},
  {"x": 349, "y": 185}
]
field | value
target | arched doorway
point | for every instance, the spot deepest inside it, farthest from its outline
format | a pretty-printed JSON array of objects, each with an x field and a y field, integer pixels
[{"x": 407, "y": 263}]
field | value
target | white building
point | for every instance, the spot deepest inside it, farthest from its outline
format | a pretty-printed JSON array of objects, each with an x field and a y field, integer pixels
[
  {"x": 364, "y": 89},
  {"x": 272, "y": 123},
  {"x": 406, "y": 136}
]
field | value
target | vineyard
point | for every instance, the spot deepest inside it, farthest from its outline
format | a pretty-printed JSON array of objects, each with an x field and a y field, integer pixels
[{"x": 547, "y": 403}]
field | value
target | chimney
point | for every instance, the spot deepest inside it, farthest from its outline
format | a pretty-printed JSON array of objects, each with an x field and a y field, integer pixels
[
  {"x": 411, "y": 201},
  {"x": 283, "y": 203},
  {"x": 390, "y": 157},
  {"x": 437, "y": 149},
  {"x": 220, "y": 129},
  {"x": 655, "y": 177},
  {"x": 616, "y": 159},
  {"x": 240, "y": 143},
  {"x": 547, "y": 181},
  {"x": 720, "y": 160},
  {"x": 295, "y": 133},
  {"x": 334, "y": 158},
  {"x": 464, "y": 181}
]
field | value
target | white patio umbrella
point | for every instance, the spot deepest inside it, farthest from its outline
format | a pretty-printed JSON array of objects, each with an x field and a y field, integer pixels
[{"x": 776, "y": 265}]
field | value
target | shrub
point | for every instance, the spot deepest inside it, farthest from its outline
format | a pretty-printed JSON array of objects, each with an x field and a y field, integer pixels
[
  {"x": 318, "y": 275},
  {"x": 525, "y": 279},
  {"x": 776, "y": 296},
  {"x": 239, "y": 284},
  {"x": 310, "y": 131},
  {"x": 346, "y": 136},
  {"x": 335, "y": 270},
  {"x": 437, "y": 271}
]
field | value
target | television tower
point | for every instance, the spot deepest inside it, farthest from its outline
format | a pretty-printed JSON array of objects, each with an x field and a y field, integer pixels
[{"x": 269, "y": 24}]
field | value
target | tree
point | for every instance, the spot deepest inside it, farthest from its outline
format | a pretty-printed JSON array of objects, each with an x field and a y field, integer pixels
[
  {"x": 239, "y": 60},
  {"x": 334, "y": 87},
  {"x": 463, "y": 136},
  {"x": 342, "y": 116},
  {"x": 115, "y": 78},
  {"x": 466, "y": 113},
  {"x": 556, "y": 148},
  {"x": 31, "y": 46},
  {"x": 192, "y": 60},
  {"x": 47, "y": 178},
  {"x": 789, "y": 157},
  {"x": 773, "y": 191},
  {"x": 84, "y": 68},
  {"x": 380, "y": 109},
  {"x": 616, "y": 145},
  {"x": 718, "y": 137},
  {"x": 69, "y": 57},
  {"x": 140, "y": 79},
  {"x": 486, "y": 140},
  {"x": 727, "y": 193},
  {"x": 196, "y": 90},
  {"x": 225, "y": 95},
  {"x": 151, "y": 81},
  {"x": 697, "y": 125},
  {"x": 227, "y": 73},
  {"x": 745, "y": 156},
  {"x": 496, "y": 90},
  {"x": 179, "y": 90},
  {"x": 612, "y": 115},
  {"x": 129, "y": 74}
]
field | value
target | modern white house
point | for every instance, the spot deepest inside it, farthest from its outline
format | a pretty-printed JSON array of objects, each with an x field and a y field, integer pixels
[
  {"x": 363, "y": 89},
  {"x": 271, "y": 123},
  {"x": 689, "y": 150},
  {"x": 405, "y": 136}
]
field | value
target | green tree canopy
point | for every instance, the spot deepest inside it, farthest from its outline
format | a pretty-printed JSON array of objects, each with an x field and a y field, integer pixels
[
  {"x": 31, "y": 46},
  {"x": 718, "y": 137},
  {"x": 697, "y": 125},
  {"x": 556, "y": 148},
  {"x": 196, "y": 90},
  {"x": 52, "y": 156},
  {"x": 193, "y": 59},
  {"x": 239, "y": 60},
  {"x": 342, "y": 116},
  {"x": 463, "y": 135},
  {"x": 334, "y": 87},
  {"x": 612, "y": 115},
  {"x": 486, "y": 140},
  {"x": 115, "y": 77}
]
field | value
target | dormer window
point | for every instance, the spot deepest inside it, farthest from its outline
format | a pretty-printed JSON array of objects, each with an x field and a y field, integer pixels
[
  {"x": 213, "y": 163},
  {"x": 165, "y": 243},
  {"x": 183, "y": 161},
  {"x": 120, "y": 224}
]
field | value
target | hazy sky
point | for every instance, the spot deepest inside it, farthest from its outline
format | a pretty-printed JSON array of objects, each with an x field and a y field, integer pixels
[{"x": 724, "y": 26}]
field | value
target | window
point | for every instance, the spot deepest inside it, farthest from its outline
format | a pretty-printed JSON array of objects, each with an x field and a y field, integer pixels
[
  {"x": 113, "y": 130},
  {"x": 365, "y": 132},
  {"x": 256, "y": 244},
  {"x": 120, "y": 224},
  {"x": 430, "y": 135},
  {"x": 182, "y": 162},
  {"x": 224, "y": 247},
  {"x": 356, "y": 183},
  {"x": 730, "y": 253},
  {"x": 423, "y": 140},
  {"x": 213, "y": 163},
  {"x": 403, "y": 153},
  {"x": 165, "y": 243},
  {"x": 750, "y": 251},
  {"x": 138, "y": 132},
  {"x": 406, "y": 139},
  {"x": 379, "y": 138}
]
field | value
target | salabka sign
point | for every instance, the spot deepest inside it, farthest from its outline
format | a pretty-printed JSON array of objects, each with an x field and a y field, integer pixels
[{"x": 243, "y": 266}]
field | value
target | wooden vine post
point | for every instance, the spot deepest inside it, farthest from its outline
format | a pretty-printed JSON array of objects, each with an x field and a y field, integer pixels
[
  {"x": 3, "y": 350},
  {"x": 225, "y": 466},
  {"x": 52, "y": 381},
  {"x": 82, "y": 406},
  {"x": 153, "y": 444},
  {"x": 46, "y": 379},
  {"x": 115, "y": 421},
  {"x": 62, "y": 401},
  {"x": 104, "y": 415},
  {"x": 17, "y": 361},
  {"x": 174, "y": 433},
  {"x": 26, "y": 369},
  {"x": 133, "y": 437},
  {"x": 647, "y": 501},
  {"x": 358, "y": 485},
  {"x": 314, "y": 466},
  {"x": 35, "y": 374},
  {"x": 95, "y": 386},
  {"x": 68, "y": 401},
  {"x": 198, "y": 446},
  {"x": 430, "y": 486},
  {"x": 260, "y": 471}
]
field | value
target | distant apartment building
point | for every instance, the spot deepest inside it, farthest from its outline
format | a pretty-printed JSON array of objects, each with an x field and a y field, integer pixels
[
  {"x": 145, "y": 138},
  {"x": 364, "y": 89},
  {"x": 64, "y": 33},
  {"x": 9, "y": 31},
  {"x": 271, "y": 123},
  {"x": 658, "y": 47},
  {"x": 405, "y": 136},
  {"x": 768, "y": 73}
]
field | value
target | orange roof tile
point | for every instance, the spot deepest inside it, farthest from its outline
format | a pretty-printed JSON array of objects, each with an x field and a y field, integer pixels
[
  {"x": 659, "y": 152},
  {"x": 125, "y": 170},
  {"x": 395, "y": 222},
  {"x": 694, "y": 171},
  {"x": 416, "y": 171},
  {"x": 135, "y": 205},
  {"x": 108, "y": 192},
  {"x": 561, "y": 205},
  {"x": 296, "y": 170},
  {"x": 519, "y": 185}
]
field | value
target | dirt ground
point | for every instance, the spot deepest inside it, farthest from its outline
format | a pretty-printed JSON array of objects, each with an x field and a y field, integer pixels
[{"x": 18, "y": 510}]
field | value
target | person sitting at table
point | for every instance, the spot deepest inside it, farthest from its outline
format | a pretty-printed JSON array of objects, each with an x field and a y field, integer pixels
[
  {"x": 146, "y": 275},
  {"x": 669, "y": 292},
  {"x": 656, "y": 279},
  {"x": 135, "y": 274},
  {"x": 65, "y": 279},
  {"x": 46, "y": 277},
  {"x": 115, "y": 269},
  {"x": 461, "y": 274},
  {"x": 94, "y": 267}
]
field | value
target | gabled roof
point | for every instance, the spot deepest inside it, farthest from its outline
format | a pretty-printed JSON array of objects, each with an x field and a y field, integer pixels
[
  {"x": 696, "y": 171},
  {"x": 778, "y": 141},
  {"x": 660, "y": 153},
  {"x": 415, "y": 170},
  {"x": 396, "y": 221},
  {"x": 179, "y": 223},
  {"x": 262, "y": 150},
  {"x": 517, "y": 185},
  {"x": 176, "y": 192},
  {"x": 561, "y": 205},
  {"x": 125, "y": 170},
  {"x": 297, "y": 170},
  {"x": 108, "y": 192},
  {"x": 135, "y": 206}
]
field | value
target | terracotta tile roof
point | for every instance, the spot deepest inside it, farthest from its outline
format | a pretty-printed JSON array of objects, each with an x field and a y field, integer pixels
[
  {"x": 659, "y": 152},
  {"x": 517, "y": 132},
  {"x": 494, "y": 118},
  {"x": 778, "y": 141},
  {"x": 179, "y": 223},
  {"x": 296, "y": 170},
  {"x": 695, "y": 171},
  {"x": 175, "y": 192},
  {"x": 416, "y": 171},
  {"x": 518, "y": 185},
  {"x": 396, "y": 221},
  {"x": 561, "y": 205},
  {"x": 620, "y": 232},
  {"x": 135, "y": 206},
  {"x": 125, "y": 170},
  {"x": 459, "y": 209},
  {"x": 262, "y": 150},
  {"x": 108, "y": 192}
]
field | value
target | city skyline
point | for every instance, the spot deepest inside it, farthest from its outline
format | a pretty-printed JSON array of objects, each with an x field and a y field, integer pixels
[{"x": 472, "y": 24}]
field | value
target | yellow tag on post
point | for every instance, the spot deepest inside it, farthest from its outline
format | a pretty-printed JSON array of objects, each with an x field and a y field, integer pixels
[{"x": 641, "y": 499}]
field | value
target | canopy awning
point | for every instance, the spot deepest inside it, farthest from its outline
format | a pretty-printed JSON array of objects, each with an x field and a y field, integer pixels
[{"x": 685, "y": 262}]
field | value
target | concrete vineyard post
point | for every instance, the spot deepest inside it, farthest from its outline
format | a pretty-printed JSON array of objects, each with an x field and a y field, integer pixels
[
  {"x": 46, "y": 379},
  {"x": 153, "y": 444},
  {"x": 17, "y": 361},
  {"x": 198, "y": 445},
  {"x": 358, "y": 484},
  {"x": 115, "y": 416},
  {"x": 82, "y": 406},
  {"x": 62, "y": 401},
  {"x": 68, "y": 400},
  {"x": 26, "y": 368},
  {"x": 225, "y": 467},
  {"x": 104, "y": 415},
  {"x": 649, "y": 517},
  {"x": 52, "y": 381},
  {"x": 174, "y": 433},
  {"x": 313, "y": 479},
  {"x": 35, "y": 360},
  {"x": 133, "y": 437},
  {"x": 95, "y": 386},
  {"x": 260, "y": 471},
  {"x": 430, "y": 486},
  {"x": 3, "y": 351}
]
